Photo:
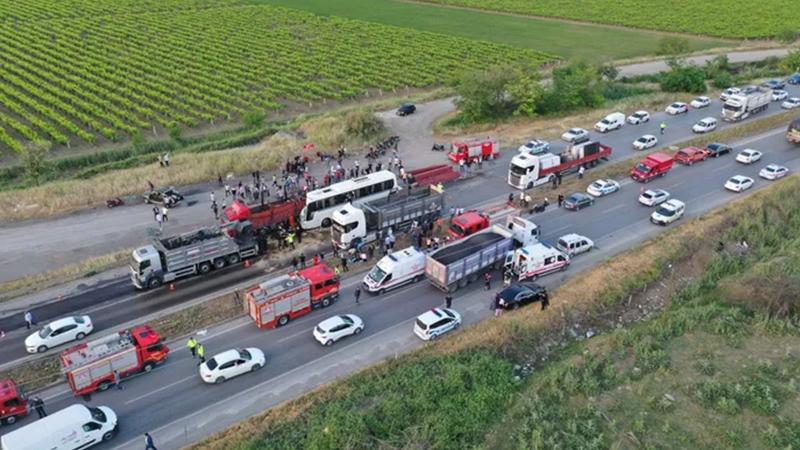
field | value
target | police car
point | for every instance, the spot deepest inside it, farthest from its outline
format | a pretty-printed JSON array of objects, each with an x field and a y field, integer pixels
[{"x": 436, "y": 322}]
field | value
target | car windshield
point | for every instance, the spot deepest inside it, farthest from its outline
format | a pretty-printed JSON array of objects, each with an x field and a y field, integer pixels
[
  {"x": 244, "y": 354},
  {"x": 642, "y": 168},
  {"x": 642, "y": 140},
  {"x": 665, "y": 211},
  {"x": 376, "y": 274},
  {"x": 98, "y": 414},
  {"x": 676, "y": 105},
  {"x": 346, "y": 320},
  {"x": 598, "y": 185},
  {"x": 574, "y": 199},
  {"x": 422, "y": 325},
  {"x": 44, "y": 332},
  {"x": 575, "y": 131},
  {"x": 212, "y": 364},
  {"x": 455, "y": 228},
  {"x": 448, "y": 313}
]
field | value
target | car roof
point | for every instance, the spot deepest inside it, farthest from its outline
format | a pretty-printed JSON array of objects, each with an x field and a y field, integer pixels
[
  {"x": 510, "y": 292},
  {"x": 226, "y": 356},
  {"x": 572, "y": 237},
  {"x": 740, "y": 178},
  {"x": 640, "y": 112},
  {"x": 775, "y": 166},
  {"x": 749, "y": 150},
  {"x": 330, "y": 322},
  {"x": 673, "y": 203},
  {"x": 62, "y": 321},
  {"x": 433, "y": 315},
  {"x": 654, "y": 191},
  {"x": 578, "y": 195}
]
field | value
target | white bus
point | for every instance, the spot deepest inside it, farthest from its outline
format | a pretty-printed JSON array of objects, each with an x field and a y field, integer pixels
[{"x": 321, "y": 203}]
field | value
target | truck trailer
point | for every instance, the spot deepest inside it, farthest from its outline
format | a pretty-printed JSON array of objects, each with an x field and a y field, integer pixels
[
  {"x": 90, "y": 366},
  {"x": 462, "y": 262},
  {"x": 526, "y": 171},
  {"x": 196, "y": 252},
  {"x": 353, "y": 226},
  {"x": 740, "y": 106}
]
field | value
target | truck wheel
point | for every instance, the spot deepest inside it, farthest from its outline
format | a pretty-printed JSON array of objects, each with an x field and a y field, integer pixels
[
  {"x": 283, "y": 320},
  {"x": 204, "y": 268},
  {"x": 107, "y": 436},
  {"x": 463, "y": 282},
  {"x": 104, "y": 386},
  {"x": 326, "y": 223},
  {"x": 234, "y": 258},
  {"x": 326, "y": 302},
  {"x": 154, "y": 283},
  {"x": 219, "y": 263},
  {"x": 148, "y": 367}
]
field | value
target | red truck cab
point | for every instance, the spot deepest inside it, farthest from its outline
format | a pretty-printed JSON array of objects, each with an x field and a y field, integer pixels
[
  {"x": 90, "y": 366},
  {"x": 13, "y": 402},
  {"x": 691, "y": 155},
  {"x": 470, "y": 151},
  {"x": 654, "y": 165},
  {"x": 467, "y": 224},
  {"x": 262, "y": 216}
]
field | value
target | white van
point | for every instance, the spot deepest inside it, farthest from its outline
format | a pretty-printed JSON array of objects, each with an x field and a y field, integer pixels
[
  {"x": 535, "y": 260},
  {"x": 75, "y": 427},
  {"x": 574, "y": 244},
  {"x": 613, "y": 121},
  {"x": 396, "y": 269}
]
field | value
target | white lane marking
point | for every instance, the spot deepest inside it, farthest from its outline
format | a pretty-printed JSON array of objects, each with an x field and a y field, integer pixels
[
  {"x": 162, "y": 388},
  {"x": 614, "y": 208}
]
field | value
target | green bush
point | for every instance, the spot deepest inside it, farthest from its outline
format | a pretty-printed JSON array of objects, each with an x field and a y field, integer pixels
[
  {"x": 673, "y": 46},
  {"x": 684, "y": 78}
]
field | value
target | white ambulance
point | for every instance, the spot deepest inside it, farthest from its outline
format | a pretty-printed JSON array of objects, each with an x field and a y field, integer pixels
[
  {"x": 535, "y": 260},
  {"x": 395, "y": 270}
]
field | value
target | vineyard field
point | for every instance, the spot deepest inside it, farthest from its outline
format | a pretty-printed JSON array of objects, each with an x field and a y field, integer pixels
[
  {"x": 78, "y": 72},
  {"x": 720, "y": 18}
]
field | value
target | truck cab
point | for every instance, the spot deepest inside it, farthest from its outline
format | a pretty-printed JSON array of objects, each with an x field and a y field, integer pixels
[
  {"x": 395, "y": 270},
  {"x": 524, "y": 231},
  {"x": 467, "y": 224},
  {"x": 654, "y": 165},
  {"x": 13, "y": 402},
  {"x": 146, "y": 265},
  {"x": 533, "y": 261},
  {"x": 524, "y": 171},
  {"x": 348, "y": 226}
]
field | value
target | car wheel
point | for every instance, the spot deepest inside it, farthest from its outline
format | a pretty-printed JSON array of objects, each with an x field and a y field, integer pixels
[
  {"x": 10, "y": 420},
  {"x": 358, "y": 330},
  {"x": 417, "y": 279},
  {"x": 381, "y": 291},
  {"x": 329, "y": 342},
  {"x": 42, "y": 349},
  {"x": 458, "y": 324},
  {"x": 255, "y": 367},
  {"x": 219, "y": 380},
  {"x": 107, "y": 436},
  {"x": 80, "y": 335}
]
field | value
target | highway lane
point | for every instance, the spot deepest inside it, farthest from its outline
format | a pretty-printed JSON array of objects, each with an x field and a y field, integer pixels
[
  {"x": 116, "y": 302},
  {"x": 174, "y": 403}
]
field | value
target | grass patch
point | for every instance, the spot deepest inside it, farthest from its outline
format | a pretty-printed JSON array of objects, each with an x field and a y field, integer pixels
[
  {"x": 567, "y": 40},
  {"x": 41, "y": 281},
  {"x": 635, "y": 386}
]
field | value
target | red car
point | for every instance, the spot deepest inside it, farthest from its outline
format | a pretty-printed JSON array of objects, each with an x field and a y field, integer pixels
[{"x": 691, "y": 155}]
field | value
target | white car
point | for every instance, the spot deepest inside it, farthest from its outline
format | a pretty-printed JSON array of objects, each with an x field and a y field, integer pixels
[
  {"x": 534, "y": 147},
  {"x": 677, "y": 108},
  {"x": 436, "y": 322},
  {"x": 652, "y": 197},
  {"x": 728, "y": 92},
  {"x": 574, "y": 244},
  {"x": 739, "y": 183},
  {"x": 791, "y": 103},
  {"x": 645, "y": 142},
  {"x": 599, "y": 188},
  {"x": 700, "y": 102},
  {"x": 773, "y": 172},
  {"x": 232, "y": 363},
  {"x": 705, "y": 125},
  {"x": 668, "y": 212},
  {"x": 639, "y": 117},
  {"x": 779, "y": 94},
  {"x": 331, "y": 330},
  {"x": 575, "y": 135},
  {"x": 59, "y": 332},
  {"x": 748, "y": 156}
]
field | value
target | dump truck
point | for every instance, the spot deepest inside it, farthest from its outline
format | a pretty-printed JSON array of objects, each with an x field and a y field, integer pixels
[
  {"x": 741, "y": 106},
  {"x": 197, "y": 252},
  {"x": 353, "y": 226},
  {"x": 527, "y": 171},
  {"x": 261, "y": 218},
  {"x": 462, "y": 262},
  {"x": 90, "y": 366},
  {"x": 793, "y": 132}
]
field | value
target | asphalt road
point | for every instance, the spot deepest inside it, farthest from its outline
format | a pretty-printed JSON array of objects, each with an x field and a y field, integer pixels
[
  {"x": 177, "y": 408},
  {"x": 116, "y": 302}
]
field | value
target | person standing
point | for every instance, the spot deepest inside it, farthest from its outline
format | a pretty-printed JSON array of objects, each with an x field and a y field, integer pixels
[
  {"x": 117, "y": 380},
  {"x": 29, "y": 322},
  {"x": 545, "y": 300},
  {"x": 663, "y": 127},
  {"x": 215, "y": 209},
  {"x": 581, "y": 170},
  {"x": 160, "y": 220},
  {"x": 213, "y": 197},
  {"x": 148, "y": 442},
  {"x": 357, "y": 294},
  {"x": 315, "y": 260},
  {"x": 498, "y": 310},
  {"x": 302, "y": 260},
  {"x": 448, "y": 301},
  {"x": 38, "y": 405},
  {"x": 191, "y": 344},
  {"x": 560, "y": 200},
  {"x": 294, "y": 263},
  {"x": 166, "y": 159},
  {"x": 201, "y": 353},
  {"x": 164, "y": 216},
  {"x": 487, "y": 280},
  {"x": 344, "y": 264}
]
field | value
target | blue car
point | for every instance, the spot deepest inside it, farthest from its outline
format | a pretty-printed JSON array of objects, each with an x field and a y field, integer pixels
[
  {"x": 794, "y": 79},
  {"x": 534, "y": 147}
]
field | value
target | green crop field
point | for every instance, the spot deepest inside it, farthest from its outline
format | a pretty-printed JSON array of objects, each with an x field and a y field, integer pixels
[
  {"x": 83, "y": 72},
  {"x": 722, "y": 18}
]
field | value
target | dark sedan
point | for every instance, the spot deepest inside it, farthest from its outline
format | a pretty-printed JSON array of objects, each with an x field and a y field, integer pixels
[
  {"x": 716, "y": 149},
  {"x": 774, "y": 84},
  {"x": 406, "y": 109},
  {"x": 521, "y": 294},
  {"x": 578, "y": 201}
]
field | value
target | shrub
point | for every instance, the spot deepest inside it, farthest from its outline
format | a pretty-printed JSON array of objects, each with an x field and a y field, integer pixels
[
  {"x": 672, "y": 46},
  {"x": 684, "y": 78}
]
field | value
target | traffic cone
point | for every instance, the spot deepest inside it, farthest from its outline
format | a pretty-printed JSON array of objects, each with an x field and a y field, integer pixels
[
  {"x": 172, "y": 286},
  {"x": 247, "y": 263}
]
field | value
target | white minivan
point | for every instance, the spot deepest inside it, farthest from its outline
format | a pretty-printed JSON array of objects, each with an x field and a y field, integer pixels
[
  {"x": 395, "y": 270},
  {"x": 74, "y": 427},
  {"x": 612, "y": 121}
]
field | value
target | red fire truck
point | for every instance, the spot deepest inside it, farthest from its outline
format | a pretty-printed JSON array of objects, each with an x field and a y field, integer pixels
[
  {"x": 263, "y": 216},
  {"x": 13, "y": 402},
  {"x": 470, "y": 150},
  {"x": 90, "y": 366},
  {"x": 276, "y": 301}
]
